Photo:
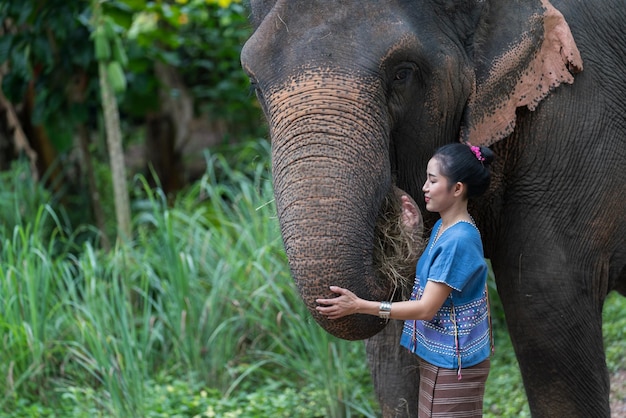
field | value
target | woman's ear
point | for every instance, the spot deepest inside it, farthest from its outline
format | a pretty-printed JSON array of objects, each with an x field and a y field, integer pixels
[
  {"x": 459, "y": 189},
  {"x": 519, "y": 59}
]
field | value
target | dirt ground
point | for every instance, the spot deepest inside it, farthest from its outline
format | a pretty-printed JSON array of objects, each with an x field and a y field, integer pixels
[{"x": 618, "y": 394}]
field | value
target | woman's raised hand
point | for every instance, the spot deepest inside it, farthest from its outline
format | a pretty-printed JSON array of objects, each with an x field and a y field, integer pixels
[{"x": 410, "y": 214}]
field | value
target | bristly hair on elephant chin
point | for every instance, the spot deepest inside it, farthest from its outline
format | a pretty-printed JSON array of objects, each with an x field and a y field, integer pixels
[{"x": 396, "y": 248}]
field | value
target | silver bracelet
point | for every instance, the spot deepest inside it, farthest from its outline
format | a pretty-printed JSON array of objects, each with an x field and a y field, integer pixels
[{"x": 385, "y": 310}]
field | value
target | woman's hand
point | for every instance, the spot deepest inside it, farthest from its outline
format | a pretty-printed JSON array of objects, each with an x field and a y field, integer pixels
[
  {"x": 345, "y": 304},
  {"x": 411, "y": 216}
]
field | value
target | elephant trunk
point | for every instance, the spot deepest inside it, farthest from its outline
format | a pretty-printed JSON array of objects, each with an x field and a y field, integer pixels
[{"x": 331, "y": 177}]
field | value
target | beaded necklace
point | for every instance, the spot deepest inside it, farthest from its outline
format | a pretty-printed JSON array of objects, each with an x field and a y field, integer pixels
[{"x": 440, "y": 231}]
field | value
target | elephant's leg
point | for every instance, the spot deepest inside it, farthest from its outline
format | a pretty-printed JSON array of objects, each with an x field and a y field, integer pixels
[
  {"x": 556, "y": 330},
  {"x": 395, "y": 372},
  {"x": 564, "y": 368}
]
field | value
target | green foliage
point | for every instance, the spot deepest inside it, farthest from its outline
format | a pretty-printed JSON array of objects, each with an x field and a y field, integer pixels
[
  {"x": 50, "y": 46},
  {"x": 504, "y": 391},
  {"x": 202, "y": 293},
  {"x": 203, "y": 40},
  {"x": 46, "y": 44},
  {"x": 614, "y": 331},
  {"x": 30, "y": 304},
  {"x": 20, "y": 197},
  {"x": 168, "y": 397}
]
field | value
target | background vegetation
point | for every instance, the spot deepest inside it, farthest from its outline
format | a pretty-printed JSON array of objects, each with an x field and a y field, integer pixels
[
  {"x": 194, "y": 314},
  {"x": 83, "y": 80}
]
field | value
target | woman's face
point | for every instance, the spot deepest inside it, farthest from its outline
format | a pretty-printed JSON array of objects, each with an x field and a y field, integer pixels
[{"x": 438, "y": 194}]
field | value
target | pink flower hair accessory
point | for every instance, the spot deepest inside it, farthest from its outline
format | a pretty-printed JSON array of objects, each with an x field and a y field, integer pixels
[{"x": 477, "y": 153}]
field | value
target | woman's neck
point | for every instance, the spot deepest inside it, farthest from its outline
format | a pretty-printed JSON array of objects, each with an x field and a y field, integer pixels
[{"x": 454, "y": 214}]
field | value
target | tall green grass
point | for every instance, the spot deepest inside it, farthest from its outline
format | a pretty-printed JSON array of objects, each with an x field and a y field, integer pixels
[
  {"x": 30, "y": 305},
  {"x": 202, "y": 293},
  {"x": 195, "y": 317}
]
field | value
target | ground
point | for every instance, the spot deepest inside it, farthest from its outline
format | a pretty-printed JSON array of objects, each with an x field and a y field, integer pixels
[{"x": 618, "y": 394}]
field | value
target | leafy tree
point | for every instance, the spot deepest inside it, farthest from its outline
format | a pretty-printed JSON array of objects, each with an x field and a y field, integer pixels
[
  {"x": 182, "y": 55},
  {"x": 50, "y": 85},
  {"x": 47, "y": 54}
]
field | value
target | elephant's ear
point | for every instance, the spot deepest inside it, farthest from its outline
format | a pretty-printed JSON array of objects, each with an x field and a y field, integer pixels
[{"x": 518, "y": 63}]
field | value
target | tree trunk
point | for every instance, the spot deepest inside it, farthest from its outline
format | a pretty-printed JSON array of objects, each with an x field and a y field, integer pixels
[
  {"x": 168, "y": 129},
  {"x": 116, "y": 154},
  {"x": 164, "y": 160}
]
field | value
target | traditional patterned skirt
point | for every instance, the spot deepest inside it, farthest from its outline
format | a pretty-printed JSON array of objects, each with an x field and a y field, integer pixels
[{"x": 443, "y": 395}]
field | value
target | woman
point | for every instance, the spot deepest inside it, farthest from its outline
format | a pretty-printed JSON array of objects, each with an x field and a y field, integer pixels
[{"x": 447, "y": 317}]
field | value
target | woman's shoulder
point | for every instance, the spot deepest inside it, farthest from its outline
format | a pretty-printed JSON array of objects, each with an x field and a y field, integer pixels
[
  {"x": 465, "y": 235},
  {"x": 466, "y": 228}
]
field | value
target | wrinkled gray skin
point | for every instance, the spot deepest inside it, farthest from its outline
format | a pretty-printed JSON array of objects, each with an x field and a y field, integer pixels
[{"x": 358, "y": 94}]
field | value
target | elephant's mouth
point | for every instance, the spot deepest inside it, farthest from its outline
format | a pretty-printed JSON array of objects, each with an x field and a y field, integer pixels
[{"x": 396, "y": 247}]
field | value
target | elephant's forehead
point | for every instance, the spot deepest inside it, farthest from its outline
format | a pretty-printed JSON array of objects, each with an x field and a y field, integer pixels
[
  {"x": 309, "y": 31},
  {"x": 318, "y": 20}
]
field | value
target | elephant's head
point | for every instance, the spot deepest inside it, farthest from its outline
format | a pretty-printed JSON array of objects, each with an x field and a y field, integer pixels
[{"x": 358, "y": 94}]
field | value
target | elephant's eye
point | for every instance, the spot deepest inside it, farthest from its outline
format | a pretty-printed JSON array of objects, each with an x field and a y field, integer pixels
[
  {"x": 405, "y": 72},
  {"x": 402, "y": 74}
]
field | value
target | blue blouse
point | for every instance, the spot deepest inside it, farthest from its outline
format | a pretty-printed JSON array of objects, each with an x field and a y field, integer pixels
[{"x": 459, "y": 334}]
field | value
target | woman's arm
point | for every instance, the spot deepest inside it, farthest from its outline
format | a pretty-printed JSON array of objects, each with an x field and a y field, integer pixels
[{"x": 347, "y": 303}]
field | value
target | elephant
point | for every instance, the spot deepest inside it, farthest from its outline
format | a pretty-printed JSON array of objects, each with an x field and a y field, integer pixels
[{"x": 358, "y": 94}]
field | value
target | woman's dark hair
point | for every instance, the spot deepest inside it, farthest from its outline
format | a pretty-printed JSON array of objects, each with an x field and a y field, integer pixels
[{"x": 466, "y": 164}]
